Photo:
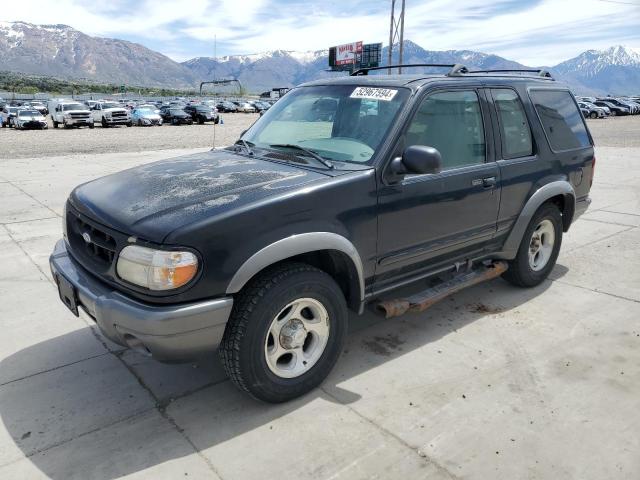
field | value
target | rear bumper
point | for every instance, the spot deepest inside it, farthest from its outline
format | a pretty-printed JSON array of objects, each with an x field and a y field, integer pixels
[{"x": 170, "y": 333}]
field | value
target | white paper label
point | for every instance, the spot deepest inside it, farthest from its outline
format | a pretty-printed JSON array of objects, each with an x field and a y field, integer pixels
[{"x": 385, "y": 94}]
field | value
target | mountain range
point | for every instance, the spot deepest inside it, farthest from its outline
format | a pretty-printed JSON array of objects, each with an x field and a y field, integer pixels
[{"x": 64, "y": 52}]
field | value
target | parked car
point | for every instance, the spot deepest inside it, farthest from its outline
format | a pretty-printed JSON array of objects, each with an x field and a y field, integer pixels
[
  {"x": 226, "y": 107},
  {"x": 592, "y": 111},
  {"x": 145, "y": 116},
  {"x": 245, "y": 107},
  {"x": 41, "y": 107},
  {"x": 262, "y": 248},
  {"x": 69, "y": 113},
  {"x": 621, "y": 104},
  {"x": 202, "y": 113},
  {"x": 110, "y": 114},
  {"x": 175, "y": 116},
  {"x": 7, "y": 115},
  {"x": 615, "y": 109},
  {"x": 29, "y": 118}
]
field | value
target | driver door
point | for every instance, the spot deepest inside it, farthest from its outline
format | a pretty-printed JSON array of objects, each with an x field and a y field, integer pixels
[{"x": 432, "y": 220}]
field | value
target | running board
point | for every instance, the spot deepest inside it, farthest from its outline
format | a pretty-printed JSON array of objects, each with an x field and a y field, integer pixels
[{"x": 425, "y": 299}]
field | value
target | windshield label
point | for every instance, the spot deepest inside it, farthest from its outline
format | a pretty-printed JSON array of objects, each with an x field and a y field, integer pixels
[{"x": 385, "y": 94}]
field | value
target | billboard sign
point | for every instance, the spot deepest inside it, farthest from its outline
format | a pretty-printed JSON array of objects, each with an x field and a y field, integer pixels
[{"x": 348, "y": 53}]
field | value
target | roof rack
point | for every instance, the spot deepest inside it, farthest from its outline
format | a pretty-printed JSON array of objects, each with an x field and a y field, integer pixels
[
  {"x": 455, "y": 69},
  {"x": 538, "y": 71}
]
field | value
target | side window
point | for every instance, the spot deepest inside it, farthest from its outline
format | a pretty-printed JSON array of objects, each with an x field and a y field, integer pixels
[
  {"x": 514, "y": 126},
  {"x": 561, "y": 119},
  {"x": 452, "y": 123}
]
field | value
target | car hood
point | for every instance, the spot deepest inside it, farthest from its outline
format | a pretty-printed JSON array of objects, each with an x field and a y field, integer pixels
[
  {"x": 150, "y": 116},
  {"x": 151, "y": 201},
  {"x": 30, "y": 118},
  {"x": 112, "y": 110}
]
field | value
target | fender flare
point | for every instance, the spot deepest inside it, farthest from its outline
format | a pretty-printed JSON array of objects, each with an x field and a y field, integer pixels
[
  {"x": 544, "y": 193},
  {"x": 292, "y": 246}
]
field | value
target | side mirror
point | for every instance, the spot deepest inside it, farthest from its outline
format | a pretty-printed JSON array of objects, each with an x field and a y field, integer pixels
[{"x": 416, "y": 159}]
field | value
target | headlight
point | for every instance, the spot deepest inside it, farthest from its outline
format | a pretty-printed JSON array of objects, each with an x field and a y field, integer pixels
[{"x": 156, "y": 269}]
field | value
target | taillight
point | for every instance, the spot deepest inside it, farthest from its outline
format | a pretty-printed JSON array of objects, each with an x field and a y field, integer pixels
[{"x": 593, "y": 170}]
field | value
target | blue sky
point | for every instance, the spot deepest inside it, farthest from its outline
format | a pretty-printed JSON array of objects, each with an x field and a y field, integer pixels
[{"x": 533, "y": 32}]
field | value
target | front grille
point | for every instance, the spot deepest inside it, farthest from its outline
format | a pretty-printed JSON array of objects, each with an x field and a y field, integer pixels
[
  {"x": 79, "y": 115},
  {"x": 118, "y": 115},
  {"x": 98, "y": 244}
]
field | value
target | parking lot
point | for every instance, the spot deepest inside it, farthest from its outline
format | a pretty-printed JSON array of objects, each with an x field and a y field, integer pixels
[{"x": 494, "y": 383}]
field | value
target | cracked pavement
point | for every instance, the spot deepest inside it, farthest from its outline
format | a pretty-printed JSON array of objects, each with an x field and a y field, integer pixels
[{"x": 494, "y": 382}]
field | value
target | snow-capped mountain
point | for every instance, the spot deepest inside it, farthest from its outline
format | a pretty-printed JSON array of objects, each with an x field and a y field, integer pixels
[
  {"x": 614, "y": 70},
  {"x": 61, "y": 51}
]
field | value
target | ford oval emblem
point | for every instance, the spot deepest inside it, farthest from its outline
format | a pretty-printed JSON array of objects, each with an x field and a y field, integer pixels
[{"x": 86, "y": 237}]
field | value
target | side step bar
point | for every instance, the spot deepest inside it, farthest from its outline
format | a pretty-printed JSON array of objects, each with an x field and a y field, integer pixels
[{"x": 423, "y": 300}]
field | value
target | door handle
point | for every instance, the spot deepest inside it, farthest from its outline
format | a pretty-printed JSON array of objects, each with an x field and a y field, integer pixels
[{"x": 489, "y": 182}]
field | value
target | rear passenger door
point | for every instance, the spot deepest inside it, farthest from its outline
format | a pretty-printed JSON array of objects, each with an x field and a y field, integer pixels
[{"x": 427, "y": 220}]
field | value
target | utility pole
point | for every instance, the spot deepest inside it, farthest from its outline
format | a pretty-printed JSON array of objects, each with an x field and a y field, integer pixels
[{"x": 396, "y": 32}]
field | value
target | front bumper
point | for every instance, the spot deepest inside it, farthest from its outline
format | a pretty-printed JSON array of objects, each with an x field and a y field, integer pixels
[
  {"x": 117, "y": 120},
  {"x": 170, "y": 333},
  {"x": 582, "y": 204},
  {"x": 35, "y": 124},
  {"x": 79, "y": 121}
]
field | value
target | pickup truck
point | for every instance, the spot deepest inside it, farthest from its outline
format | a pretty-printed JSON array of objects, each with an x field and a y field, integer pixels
[
  {"x": 109, "y": 114},
  {"x": 342, "y": 192}
]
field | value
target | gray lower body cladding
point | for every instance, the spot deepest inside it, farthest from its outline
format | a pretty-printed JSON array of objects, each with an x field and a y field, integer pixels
[{"x": 170, "y": 333}]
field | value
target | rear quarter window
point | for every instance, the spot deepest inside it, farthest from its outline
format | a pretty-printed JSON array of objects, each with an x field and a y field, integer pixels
[{"x": 561, "y": 119}]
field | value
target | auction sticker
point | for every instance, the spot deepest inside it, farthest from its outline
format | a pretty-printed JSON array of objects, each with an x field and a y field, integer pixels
[{"x": 385, "y": 94}]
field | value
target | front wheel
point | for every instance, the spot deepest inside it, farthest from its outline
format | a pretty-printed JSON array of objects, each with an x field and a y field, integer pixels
[
  {"x": 538, "y": 250},
  {"x": 285, "y": 333},
  {"x": 104, "y": 123},
  {"x": 593, "y": 114}
]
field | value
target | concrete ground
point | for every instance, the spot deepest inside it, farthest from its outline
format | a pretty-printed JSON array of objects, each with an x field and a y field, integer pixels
[{"x": 494, "y": 383}]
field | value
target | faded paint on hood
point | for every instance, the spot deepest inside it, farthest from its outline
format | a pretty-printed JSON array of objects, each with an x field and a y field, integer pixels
[{"x": 152, "y": 200}]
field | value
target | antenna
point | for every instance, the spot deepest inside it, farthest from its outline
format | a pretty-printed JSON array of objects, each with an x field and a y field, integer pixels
[{"x": 396, "y": 32}]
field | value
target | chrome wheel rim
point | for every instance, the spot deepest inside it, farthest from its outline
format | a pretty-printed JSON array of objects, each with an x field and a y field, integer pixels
[
  {"x": 297, "y": 337},
  {"x": 541, "y": 245}
]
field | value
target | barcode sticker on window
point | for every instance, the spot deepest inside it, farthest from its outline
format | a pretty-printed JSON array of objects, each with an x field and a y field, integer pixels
[{"x": 385, "y": 94}]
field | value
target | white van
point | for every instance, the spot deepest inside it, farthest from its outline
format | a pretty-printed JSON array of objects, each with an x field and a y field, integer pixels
[{"x": 69, "y": 113}]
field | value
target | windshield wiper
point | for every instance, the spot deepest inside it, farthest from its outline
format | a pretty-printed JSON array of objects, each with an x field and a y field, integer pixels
[
  {"x": 310, "y": 153},
  {"x": 246, "y": 145}
]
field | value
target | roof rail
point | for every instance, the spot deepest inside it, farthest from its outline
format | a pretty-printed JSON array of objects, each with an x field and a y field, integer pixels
[
  {"x": 455, "y": 69},
  {"x": 537, "y": 71}
]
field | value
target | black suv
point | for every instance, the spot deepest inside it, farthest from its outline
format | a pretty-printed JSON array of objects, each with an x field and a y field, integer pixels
[
  {"x": 202, "y": 113},
  {"x": 343, "y": 191}
]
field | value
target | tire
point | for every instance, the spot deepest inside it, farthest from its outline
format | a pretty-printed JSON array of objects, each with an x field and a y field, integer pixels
[
  {"x": 613, "y": 113},
  {"x": 523, "y": 271},
  {"x": 248, "y": 337},
  {"x": 64, "y": 124},
  {"x": 91, "y": 126},
  {"x": 55, "y": 124},
  {"x": 200, "y": 121},
  {"x": 104, "y": 123},
  {"x": 129, "y": 124},
  {"x": 593, "y": 114},
  {"x": 139, "y": 123}
]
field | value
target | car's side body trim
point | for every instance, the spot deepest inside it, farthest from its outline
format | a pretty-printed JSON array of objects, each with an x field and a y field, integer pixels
[
  {"x": 544, "y": 193},
  {"x": 292, "y": 246}
]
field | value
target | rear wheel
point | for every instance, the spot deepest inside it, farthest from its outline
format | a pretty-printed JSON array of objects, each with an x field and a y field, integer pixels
[
  {"x": 593, "y": 114},
  {"x": 285, "y": 333},
  {"x": 538, "y": 250}
]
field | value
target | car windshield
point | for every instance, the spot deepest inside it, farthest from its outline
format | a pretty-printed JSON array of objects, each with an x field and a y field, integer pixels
[
  {"x": 345, "y": 123},
  {"x": 73, "y": 106},
  {"x": 28, "y": 113},
  {"x": 110, "y": 105},
  {"x": 145, "y": 111},
  {"x": 12, "y": 109}
]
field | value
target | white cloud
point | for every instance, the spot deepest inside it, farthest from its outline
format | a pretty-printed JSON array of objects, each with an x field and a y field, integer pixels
[{"x": 543, "y": 32}]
